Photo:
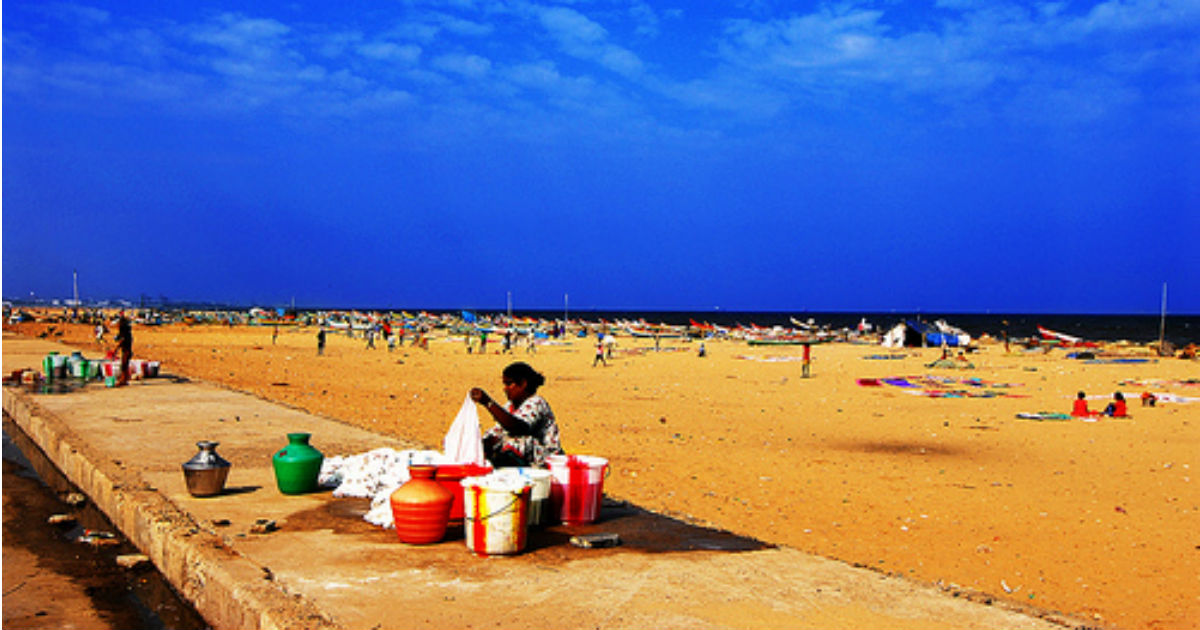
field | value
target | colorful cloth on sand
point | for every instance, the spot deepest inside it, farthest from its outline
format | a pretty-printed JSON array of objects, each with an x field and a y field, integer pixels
[
  {"x": 768, "y": 358},
  {"x": 936, "y": 386},
  {"x": 1162, "y": 397},
  {"x": 1044, "y": 415},
  {"x": 1159, "y": 382}
]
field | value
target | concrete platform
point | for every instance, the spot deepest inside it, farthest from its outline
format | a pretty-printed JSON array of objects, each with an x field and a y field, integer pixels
[{"x": 327, "y": 568}]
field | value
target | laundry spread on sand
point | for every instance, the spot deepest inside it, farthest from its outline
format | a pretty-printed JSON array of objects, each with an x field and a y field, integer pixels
[
  {"x": 1118, "y": 361},
  {"x": 1042, "y": 416},
  {"x": 1159, "y": 382},
  {"x": 1161, "y": 397},
  {"x": 885, "y": 357},
  {"x": 934, "y": 386},
  {"x": 769, "y": 358},
  {"x": 952, "y": 364}
]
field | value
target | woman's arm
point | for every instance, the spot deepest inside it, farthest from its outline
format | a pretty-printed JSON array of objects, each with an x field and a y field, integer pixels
[{"x": 513, "y": 425}]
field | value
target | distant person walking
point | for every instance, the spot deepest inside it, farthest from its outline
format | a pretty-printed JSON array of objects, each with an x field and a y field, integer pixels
[
  {"x": 321, "y": 341},
  {"x": 599, "y": 354},
  {"x": 100, "y": 330},
  {"x": 124, "y": 341},
  {"x": 387, "y": 335},
  {"x": 275, "y": 334}
]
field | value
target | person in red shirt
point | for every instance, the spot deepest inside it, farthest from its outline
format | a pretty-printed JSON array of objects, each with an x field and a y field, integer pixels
[
  {"x": 1116, "y": 408},
  {"x": 1080, "y": 408}
]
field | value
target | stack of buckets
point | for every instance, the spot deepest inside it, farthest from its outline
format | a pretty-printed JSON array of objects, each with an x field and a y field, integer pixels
[
  {"x": 58, "y": 367},
  {"x": 499, "y": 507}
]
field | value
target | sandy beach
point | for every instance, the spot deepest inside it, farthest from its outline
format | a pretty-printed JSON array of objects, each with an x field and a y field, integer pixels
[{"x": 1099, "y": 519}]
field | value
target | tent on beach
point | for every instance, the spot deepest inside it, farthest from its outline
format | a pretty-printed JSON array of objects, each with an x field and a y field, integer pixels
[{"x": 911, "y": 333}]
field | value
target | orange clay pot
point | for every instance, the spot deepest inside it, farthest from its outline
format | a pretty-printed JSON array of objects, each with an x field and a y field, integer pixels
[{"x": 421, "y": 507}]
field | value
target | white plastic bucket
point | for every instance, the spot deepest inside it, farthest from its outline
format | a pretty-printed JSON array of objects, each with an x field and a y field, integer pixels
[
  {"x": 539, "y": 496},
  {"x": 576, "y": 487},
  {"x": 496, "y": 514},
  {"x": 78, "y": 367}
]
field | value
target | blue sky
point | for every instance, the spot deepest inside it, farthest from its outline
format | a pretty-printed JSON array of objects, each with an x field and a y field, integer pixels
[{"x": 941, "y": 156}]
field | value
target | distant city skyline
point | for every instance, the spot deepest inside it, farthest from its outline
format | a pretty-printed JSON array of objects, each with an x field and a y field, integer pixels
[{"x": 952, "y": 156}]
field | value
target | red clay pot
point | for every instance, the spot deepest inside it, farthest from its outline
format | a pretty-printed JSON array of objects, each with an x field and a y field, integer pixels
[{"x": 421, "y": 507}]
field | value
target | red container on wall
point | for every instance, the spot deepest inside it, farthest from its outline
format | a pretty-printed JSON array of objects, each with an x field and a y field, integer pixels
[
  {"x": 450, "y": 477},
  {"x": 421, "y": 507}
]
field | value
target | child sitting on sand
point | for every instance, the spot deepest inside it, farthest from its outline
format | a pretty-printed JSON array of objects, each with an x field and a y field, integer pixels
[
  {"x": 1080, "y": 409},
  {"x": 1116, "y": 408},
  {"x": 525, "y": 431}
]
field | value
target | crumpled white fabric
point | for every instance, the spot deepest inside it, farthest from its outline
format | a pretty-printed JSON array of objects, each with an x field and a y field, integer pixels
[
  {"x": 375, "y": 474},
  {"x": 378, "y": 473},
  {"x": 463, "y": 443}
]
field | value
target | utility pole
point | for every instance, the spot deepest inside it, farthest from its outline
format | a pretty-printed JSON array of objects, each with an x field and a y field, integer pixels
[{"x": 1162, "y": 322}]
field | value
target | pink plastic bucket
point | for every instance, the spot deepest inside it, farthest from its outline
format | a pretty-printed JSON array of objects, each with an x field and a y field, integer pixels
[{"x": 576, "y": 487}]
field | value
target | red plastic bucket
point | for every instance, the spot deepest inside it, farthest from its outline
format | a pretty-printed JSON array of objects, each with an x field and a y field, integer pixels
[
  {"x": 576, "y": 487},
  {"x": 450, "y": 477}
]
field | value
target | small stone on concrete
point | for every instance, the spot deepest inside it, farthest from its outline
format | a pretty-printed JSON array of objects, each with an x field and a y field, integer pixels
[{"x": 263, "y": 526}]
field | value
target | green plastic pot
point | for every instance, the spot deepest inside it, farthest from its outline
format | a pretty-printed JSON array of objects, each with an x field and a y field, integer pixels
[{"x": 297, "y": 465}]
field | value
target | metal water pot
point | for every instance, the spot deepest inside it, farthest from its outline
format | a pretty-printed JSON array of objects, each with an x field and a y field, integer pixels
[{"x": 206, "y": 471}]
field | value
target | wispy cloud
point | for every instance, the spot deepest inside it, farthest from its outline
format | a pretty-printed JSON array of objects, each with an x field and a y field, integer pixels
[
  {"x": 472, "y": 66},
  {"x": 979, "y": 54},
  {"x": 584, "y": 38},
  {"x": 982, "y": 58},
  {"x": 389, "y": 51}
]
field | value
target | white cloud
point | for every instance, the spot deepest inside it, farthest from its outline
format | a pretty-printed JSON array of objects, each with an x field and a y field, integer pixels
[
  {"x": 240, "y": 35},
  {"x": 462, "y": 27},
  {"x": 472, "y": 66},
  {"x": 388, "y": 51},
  {"x": 581, "y": 37},
  {"x": 978, "y": 54},
  {"x": 78, "y": 14}
]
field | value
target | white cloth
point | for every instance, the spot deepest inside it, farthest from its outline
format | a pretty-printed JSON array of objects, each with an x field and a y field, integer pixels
[
  {"x": 375, "y": 474},
  {"x": 463, "y": 443}
]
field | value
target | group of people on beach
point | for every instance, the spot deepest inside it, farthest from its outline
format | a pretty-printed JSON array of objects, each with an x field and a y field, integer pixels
[{"x": 1115, "y": 409}]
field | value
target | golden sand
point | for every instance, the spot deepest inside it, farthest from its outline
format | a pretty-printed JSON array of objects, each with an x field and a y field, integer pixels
[{"x": 1099, "y": 519}]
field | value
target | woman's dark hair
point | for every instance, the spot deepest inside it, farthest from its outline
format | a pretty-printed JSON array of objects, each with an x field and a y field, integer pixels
[
  {"x": 521, "y": 372},
  {"x": 1119, "y": 396},
  {"x": 1081, "y": 396}
]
